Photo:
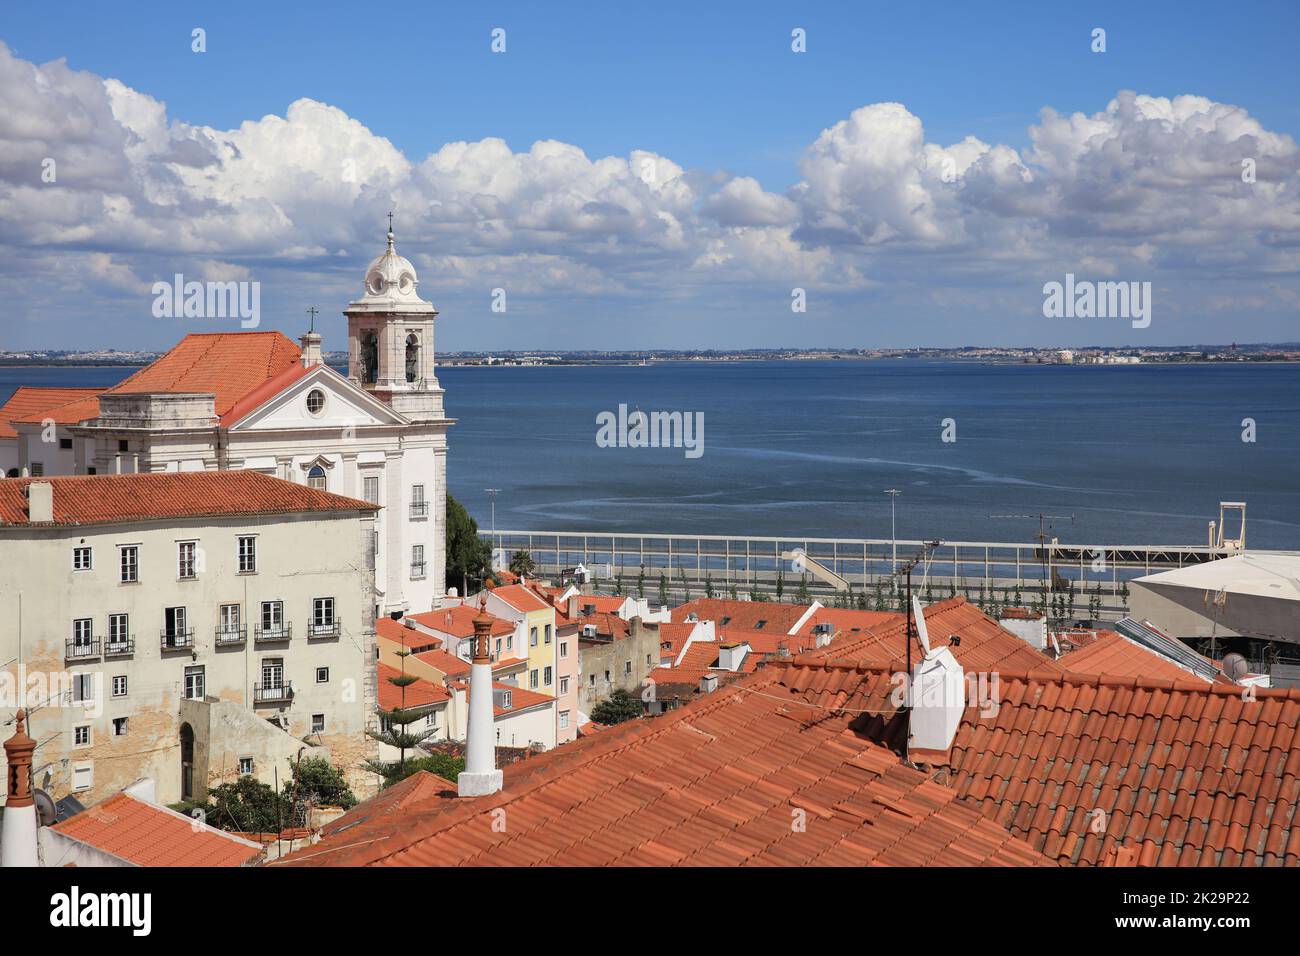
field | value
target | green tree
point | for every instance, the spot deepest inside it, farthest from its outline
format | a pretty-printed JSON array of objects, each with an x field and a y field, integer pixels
[
  {"x": 780, "y": 584},
  {"x": 394, "y": 723},
  {"x": 522, "y": 563},
  {"x": 316, "y": 782},
  {"x": 468, "y": 555},
  {"x": 879, "y": 603},
  {"x": 708, "y": 585},
  {"x": 663, "y": 589},
  {"x": 802, "y": 595},
  {"x": 686, "y": 587},
  {"x": 246, "y": 806},
  {"x": 619, "y": 707},
  {"x": 640, "y": 582},
  {"x": 735, "y": 596},
  {"x": 444, "y": 765},
  {"x": 618, "y": 584}
]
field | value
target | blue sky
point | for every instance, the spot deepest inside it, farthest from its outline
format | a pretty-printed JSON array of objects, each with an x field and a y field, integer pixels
[{"x": 717, "y": 92}]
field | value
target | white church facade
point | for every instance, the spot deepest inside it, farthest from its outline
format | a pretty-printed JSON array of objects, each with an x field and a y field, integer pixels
[{"x": 257, "y": 401}]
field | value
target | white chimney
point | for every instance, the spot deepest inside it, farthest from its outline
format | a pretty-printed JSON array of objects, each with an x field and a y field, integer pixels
[
  {"x": 708, "y": 683},
  {"x": 1031, "y": 630},
  {"x": 937, "y": 694},
  {"x": 480, "y": 776},
  {"x": 40, "y": 502},
  {"x": 145, "y": 789},
  {"x": 731, "y": 656}
]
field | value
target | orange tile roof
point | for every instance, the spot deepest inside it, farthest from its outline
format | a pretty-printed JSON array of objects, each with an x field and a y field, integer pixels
[
  {"x": 108, "y": 499},
  {"x": 697, "y": 660},
  {"x": 408, "y": 637},
  {"x": 985, "y": 645},
  {"x": 458, "y": 621},
  {"x": 521, "y": 597},
  {"x": 228, "y": 365},
  {"x": 422, "y": 693},
  {"x": 743, "y": 614},
  {"x": 273, "y": 386},
  {"x": 36, "y": 403},
  {"x": 1174, "y": 772},
  {"x": 521, "y": 698},
  {"x": 388, "y": 804},
  {"x": 713, "y": 783},
  {"x": 149, "y": 835},
  {"x": 449, "y": 664},
  {"x": 607, "y": 625},
  {"x": 1113, "y": 655}
]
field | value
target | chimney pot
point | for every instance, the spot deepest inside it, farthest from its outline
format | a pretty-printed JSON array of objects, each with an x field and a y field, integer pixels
[{"x": 40, "y": 502}]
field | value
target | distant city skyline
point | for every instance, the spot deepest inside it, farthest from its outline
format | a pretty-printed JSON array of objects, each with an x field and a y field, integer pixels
[{"x": 683, "y": 181}]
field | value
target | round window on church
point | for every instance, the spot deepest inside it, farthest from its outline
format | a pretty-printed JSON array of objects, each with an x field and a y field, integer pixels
[{"x": 315, "y": 401}]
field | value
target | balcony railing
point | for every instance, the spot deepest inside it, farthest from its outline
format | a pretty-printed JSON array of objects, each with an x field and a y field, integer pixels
[
  {"x": 177, "y": 639},
  {"x": 226, "y": 635},
  {"x": 280, "y": 632},
  {"x": 417, "y": 569},
  {"x": 323, "y": 630},
  {"x": 81, "y": 650},
  {"x": 119, "y": 646},
  {"x": 419, "y": 509},
  {"x": 272, "y": 694}
]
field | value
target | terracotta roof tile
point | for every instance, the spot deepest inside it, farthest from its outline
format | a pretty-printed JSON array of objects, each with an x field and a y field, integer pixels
[
  {"x": 149, "y": 835},
  {"x": 107, "y": 499},
  {"x": 421, "y": 693},
  {"x": 1114, "y": 655},
  {"x": 458, "y": 621},
  {"x": 28, "y": 402},
  {"x": 228, "y": 365}
]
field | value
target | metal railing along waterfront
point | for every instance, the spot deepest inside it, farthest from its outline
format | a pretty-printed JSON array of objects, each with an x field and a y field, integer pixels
[{"x": 688, "y": 562}]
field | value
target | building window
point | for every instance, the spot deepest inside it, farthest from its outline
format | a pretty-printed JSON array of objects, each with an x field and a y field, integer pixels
[
  {"x": 83, "y": 776},
  {"x": 592, "y": 680},
  {"x": 65, "y": 444},
  {"x": 83, "y": 688},
  {"x": 272, "y": 673},
  {"x": 316, "y": 478},
  {"x": 315, "y": 401},
  {"x": 419, "y": 507},
  {"x": 81, "y": 736},
  {"x": 245, "y": 766},
  {"x": 510, "y": 643},
  {"x": 83, "y": 638},
  {"x": 174, "y": 630},
  {"x": 564, "y": 685},
  {"x": 507, "y": 701},
  {"x": 548, "y": 634},
  {"x": 532, "y": 679},
  {"x": 546, "y": 676},
  {"x": 647, "y": 660},
  {"x": 317, "y": 723},
  {"x": 186, "y": 564},
  {"x": 119, "y": 726},
  {"x": 272, "y": 616},
  {"x": 322, "y": 616},
  {"x": 532, "y": 637},
  {"x": 130, "y": 564},
  {"x": 322, "y": 675},
  {"x": 123, "y": 445},
  {"x": 119, "y": 685},
  {"x": 82, "y": 559},
  {"x": 38, "y": 469},
  {"x": 229, "y": 618},
  {"x": 417, "y": 560},
  {"x": 119, "y": 632},
  {"x": 194, "y": 683},
  {"x": 370, "y": 489},
  {"x": 498, "y": 653},
  {"x": 564, "y": 648},
  {"x": 247, "y": 554},
  {"x": 412, "y": 358},
  {"x": 627, "y": 667},
  {"x": 564, "y": 720}
]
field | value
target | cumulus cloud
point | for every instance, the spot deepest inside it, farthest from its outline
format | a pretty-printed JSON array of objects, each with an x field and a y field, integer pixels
[{"x": 1146, "y": 183}]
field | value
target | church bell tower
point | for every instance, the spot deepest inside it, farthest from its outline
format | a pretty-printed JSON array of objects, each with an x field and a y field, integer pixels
[{"x": 390, "y": 338}]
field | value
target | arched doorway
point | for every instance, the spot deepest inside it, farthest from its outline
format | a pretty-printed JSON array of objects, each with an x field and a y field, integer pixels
[{"x": 187, "y": 762}]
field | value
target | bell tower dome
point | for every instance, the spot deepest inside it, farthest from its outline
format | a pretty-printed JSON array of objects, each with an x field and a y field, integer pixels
[{"x": 390, "y": 337}]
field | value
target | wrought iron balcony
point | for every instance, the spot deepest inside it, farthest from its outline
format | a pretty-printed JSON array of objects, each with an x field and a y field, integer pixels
[
  {"x": 419, "y": 509},
  {"x": 82, "y": 650},
  {"x": 280, "y": 632},
  {"x": 323, "y": 630},
  {"x": 272, "y": 694},
  {"x": 177, "y": 639},
  {"x": 119, "y": 646},
  {"x": 418, "y": 569},
  {"x": 225, "y": 635}
]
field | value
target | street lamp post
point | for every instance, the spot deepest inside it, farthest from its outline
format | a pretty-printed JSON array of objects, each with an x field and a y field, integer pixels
[
  {"x": 893, "y": 537},
  {"x": 492, "y": 494}
]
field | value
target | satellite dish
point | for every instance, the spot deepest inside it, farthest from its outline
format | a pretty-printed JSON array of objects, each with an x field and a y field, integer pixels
[
  {"x": 46, "y": 813},
  {"x": 921, "y": 630},
  {"x": 1235, "y": 666}
]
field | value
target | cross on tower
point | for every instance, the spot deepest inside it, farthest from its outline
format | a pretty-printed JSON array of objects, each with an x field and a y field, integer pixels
[
  {"x": 390, "y": 221},
  {"x": 313, "y": 313}
]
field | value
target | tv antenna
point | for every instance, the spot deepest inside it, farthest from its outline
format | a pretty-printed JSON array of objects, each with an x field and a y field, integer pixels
[
  {"x": 1043, "y": 534},
  {"x": 906, "y": 571}
]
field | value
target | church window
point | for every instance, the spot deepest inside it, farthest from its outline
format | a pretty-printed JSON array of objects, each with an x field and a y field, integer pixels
[
  {"x": 369, "y": 358},
  {"x": 412, "y": 358},
  {"x": 315, "y": 401},
  {"x": 316, "y": 478}
]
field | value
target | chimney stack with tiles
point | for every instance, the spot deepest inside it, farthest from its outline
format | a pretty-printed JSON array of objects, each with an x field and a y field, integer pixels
[
  {"x": 18, "y": 833},
  {"x": 936, "y": 699},
  {"x": 480, "y": 776},
  {"x": 40, "y": 502}
]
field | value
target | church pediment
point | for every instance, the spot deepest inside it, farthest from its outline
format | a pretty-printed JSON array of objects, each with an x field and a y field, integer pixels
[{"x": 320, "y": 399}]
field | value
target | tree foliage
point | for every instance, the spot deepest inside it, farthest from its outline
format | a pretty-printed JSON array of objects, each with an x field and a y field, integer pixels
[
  {"x": 619, "y": 707},
  {"x": 468, "y": 555}
]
